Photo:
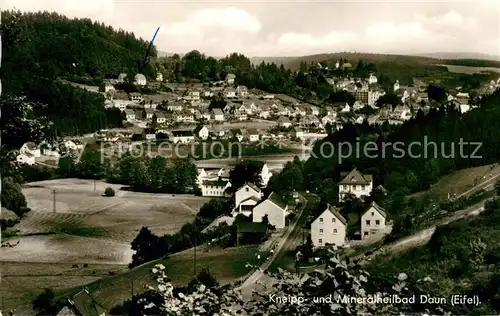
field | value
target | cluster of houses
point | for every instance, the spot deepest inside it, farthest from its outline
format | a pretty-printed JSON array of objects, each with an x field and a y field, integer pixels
[
  {"x": 177, "y": 113},
  {"x": 31, "y": 153},
  {"x": 330, "y": 227},
  {"x": 249, "y": 199},
  {"x": 215, "y": 182}
]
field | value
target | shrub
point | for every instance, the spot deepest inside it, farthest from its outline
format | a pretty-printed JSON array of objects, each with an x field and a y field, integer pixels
[{"x": 109, "y": 192}]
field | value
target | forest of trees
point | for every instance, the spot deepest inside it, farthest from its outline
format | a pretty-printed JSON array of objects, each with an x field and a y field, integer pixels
[{"x": 40, "y": 48}]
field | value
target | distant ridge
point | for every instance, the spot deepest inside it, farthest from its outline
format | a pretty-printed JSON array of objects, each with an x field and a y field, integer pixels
[{"x": 464, "y": 55}]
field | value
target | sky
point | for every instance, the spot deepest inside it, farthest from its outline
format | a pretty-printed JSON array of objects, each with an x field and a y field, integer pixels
[{"x": 295, "y": 28}]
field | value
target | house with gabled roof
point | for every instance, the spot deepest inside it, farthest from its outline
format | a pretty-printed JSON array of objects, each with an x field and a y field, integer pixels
[
  {"x": 284, "y": 121},
  {"x": 329, "y": 228},
  {"x": 215, "y": 188},
  {"x": 82, "y": 304},
  {"x": 355, "y": 183},
  {"x": 230, "y": 93},
  {"x": 373, "y": 221},
  {"x": 246, "y": 198},
  {"x": 275, "y": 208},
  {"x": 217, "y": 114},
  {"x": 241, "y": 91}
]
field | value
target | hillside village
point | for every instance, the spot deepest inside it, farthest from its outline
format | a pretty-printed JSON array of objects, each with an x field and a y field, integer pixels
[{"x": 193, "y": 113}]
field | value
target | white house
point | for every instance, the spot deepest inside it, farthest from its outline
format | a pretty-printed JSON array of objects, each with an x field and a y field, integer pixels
[
  {"x": 108, "y": 87},
  {"x": 30, "y": 149},
  {"x": 136, "y": 97},
  {"x": 140, "y": 80},
  {"x": 122, "y": 77},
  {"x": 284, "y": 121},
  {"x": 246, "y": 198},
  {"x": 314, "y": 110},
  {"x": 264, "y": 113},
  {"x": 373, "y": 221},
  {"x": 355, "y": 183},
  {"x": 253, "y": 135},
  {"x": 346, "y": 108},
  {"x": 26, "y": 158},
  {"x": 230, "y": 93},
  {"x": 73, "y": 145},
  {"x": 275, "y": 208},
  {"x": 149, "y": 113},
  {"x": 160, "y": 118},
  {"x": 215, "y": 188},
  {"x": 201, "y": 132},
  {"x": 159, "y": 77},
  {"x": 242, "y": 91},
  {"x": 329, "y": 228},
  {"x": 298, "y": 132},
  {"x": 396, "y": 86},
  {"x": 372, "y": 79},
  {"x": 182, "y": 136},
  {"x": 129, "y": 115},
  {"x": 218, "y": 115}
]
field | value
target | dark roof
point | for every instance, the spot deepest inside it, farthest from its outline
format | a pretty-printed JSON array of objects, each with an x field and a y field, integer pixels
[
  {"x": 31, "y": 145},
  {"x": 381, "y": 188},
  {"x": 276, "y": 199},
  {"x": 181, "y": 133},
  {"x": 250, "y": 227},
  {"x": 378, "y": 208},
  {"x": 253, "y": 198},
  {"x": 198, "y": 128},
  {"x": 355, "y": 177},
  {"x": 253, "y": 186},
  {"x": 86, "y": 305},
  {"x": 336, "y": 213},
  {"x": 218, "y": 183}
]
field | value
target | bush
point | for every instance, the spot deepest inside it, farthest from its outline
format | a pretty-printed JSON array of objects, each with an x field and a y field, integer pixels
[{"x": 109, "y": 192}]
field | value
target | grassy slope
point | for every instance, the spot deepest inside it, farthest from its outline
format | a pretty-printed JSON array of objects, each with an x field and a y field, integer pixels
[
  {"x": 460, "y": 181},
  {"x": 453, "y": 262},
  {"x": 226, "y": 265},
  {"x": 355, "y": 57}
]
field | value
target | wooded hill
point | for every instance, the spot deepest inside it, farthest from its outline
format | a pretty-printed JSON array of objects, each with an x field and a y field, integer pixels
[{"x": 39, "y": 48}]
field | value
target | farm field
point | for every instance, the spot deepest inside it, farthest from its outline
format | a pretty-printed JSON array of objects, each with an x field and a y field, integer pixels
[
  {"x": 470, "y": 70},
  {"x": 227, "y": 265},
  {"x": 87, "y": 228},
  {"x": 82, "y": 211},
  {"x": 22, "y": 281}
]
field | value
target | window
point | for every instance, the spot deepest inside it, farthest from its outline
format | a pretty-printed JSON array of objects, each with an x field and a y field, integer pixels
[
  {"x": 321, "y": 231},
  {"x": 321, "y": 219},
  {"x": 373, "y": 213},
  {"x": 377, "y": 222},
  {"x": 335, "y": 230},
  {"x": 247, "y": 189},
  {"x": 366, "y": 233},
  {"x": 367, "y": 223},
  {"x": 320, "y": 241},
  {"x": 334, "y": 220}
]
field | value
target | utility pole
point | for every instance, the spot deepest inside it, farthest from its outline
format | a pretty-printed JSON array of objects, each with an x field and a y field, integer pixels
[
  {"x": 54, "y": 201},
  {"x": 132, "y": 287},
  {"x": 194, "y": 261}
]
